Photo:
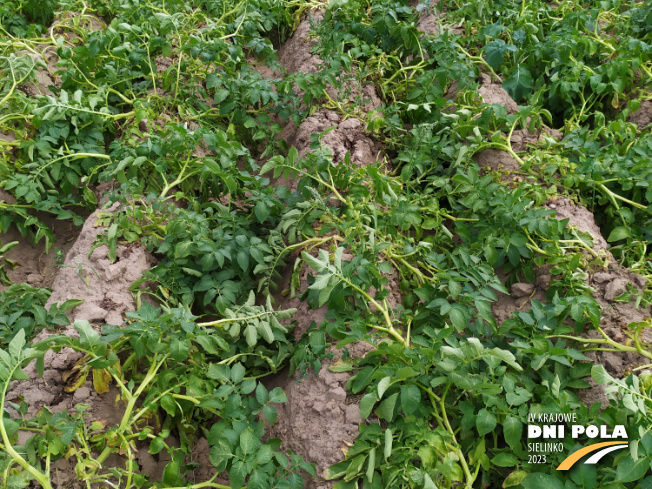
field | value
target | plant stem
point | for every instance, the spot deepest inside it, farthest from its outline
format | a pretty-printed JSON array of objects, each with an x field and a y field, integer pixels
[
  {"x": 465, "y": 467},
  {"x": 390, "y": 327},
  {"x": 126, "y": 417},
  {"x": 612, "y": 195},
  {"x": 480, "y": 60},
  {"x": 617, "y": 347},
  {"x": 37, "y": 474},
  {"x": 178, "y": 180},
  {"x": 504, "y": 147},
  {"x": 209, "y": 483},
  {"x": 220, "y": 322},
  {"x": 73, "y": 156}
]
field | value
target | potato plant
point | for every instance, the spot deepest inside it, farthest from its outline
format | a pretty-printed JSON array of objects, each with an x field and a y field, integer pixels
[{"x": 164, "y": 103}]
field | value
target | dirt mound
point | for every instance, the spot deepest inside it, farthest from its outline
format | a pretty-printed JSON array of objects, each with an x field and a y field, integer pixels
[
  {"x": 35, "y": 266},
  {"x": 643, "y": 116},
  {"x": 494, "y": 93},
  {"x": 102, "y": 284},
  {"x": 104, "y": 287},
  {"x": 348, "y": 136},
  {"x": 496, "y": 159},
  {"x": 608, "y": 284},
  {"x": 580, "y": 217},
  {"x": 521, "y": 138},
  {"x": 349, "y": 133},
  {"x": 43, "y": 76},
  {"x": 295, "y": 57},
  {"x": 431, "y": 25},
  {"x": 319, "y": 417},
  {"x": 264, "y": 70},
  {"x": 520, "y": 296},
  {"x": 163, "y": 63},
  {"x": 295, "y": 54},
  {"x": 8, "y": 138},
  {"x": 615, "y": 318}
]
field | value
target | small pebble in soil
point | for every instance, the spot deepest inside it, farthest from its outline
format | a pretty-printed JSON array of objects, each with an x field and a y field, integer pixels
[
  {"x": 639, "y": 281},
  {"x": 613, "y": 363},
  {"x": 543, "y": 281},
  {"x": 602, "y": 277},
  {"x": 35, "y": 279},
  {"x": 81, "y": 394},
  {"x": 337, "y": 394},
  {"x": 522, "y": 290},
  {"x": 353, "y": 414},
  {"x": 615, "y": 288}
]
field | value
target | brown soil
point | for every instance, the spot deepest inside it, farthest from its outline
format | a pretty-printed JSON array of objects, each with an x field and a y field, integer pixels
[
  {"x": 96, "y": 279},
  {"x": 580, "y": 217},
  {"x": 492, "y": 92},
  {"x": 35, "y": 266},
  {"x": 608, "y": 284},
  {"x": 496, "y": 159},
  {"x": 349, "y": 136},
  {"x": 43, "y": 76},
  {"x": 319, "y": 418},
  {"x": 295, "y": 54},
  {"x": 100, "y": 283},
  {"x": 163, "y": 63},
  {"x": 431, "y": 25},
  {"x": 643, "y": 116}
]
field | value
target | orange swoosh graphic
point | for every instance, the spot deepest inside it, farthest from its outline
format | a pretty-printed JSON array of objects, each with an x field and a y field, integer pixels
[{"x": 574, "y": 457}]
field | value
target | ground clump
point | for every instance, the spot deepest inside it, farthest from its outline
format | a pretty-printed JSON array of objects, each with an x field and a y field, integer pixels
[{"x": 249, "y": 212}]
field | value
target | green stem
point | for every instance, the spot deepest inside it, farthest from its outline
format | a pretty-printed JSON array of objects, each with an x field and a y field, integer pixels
[
  {"x": 504, "y": 147},
  {"x": 220, "y": 322},
  {"x": 73, "y": 156},
  {"x": 482, "y": 61},
  {"x": 178, "y": 180},
  {"x": 304, "y": 244},
  {"x": 616, "y": 347},
  {"x": 37, "y": 474},
  {"x": 130, "y": 459},
  {"x": 455, "y": 219},
  {"x": 533, "y": 246},
  {"x": 390, "y": 327},
  {"x": 14, "y": 82},
  {"x": 332, "y": 188},
  {"x": 613, "y": 196},
  {"x": 116, "y": 117},
  {"x": 201, "y": 485},
  {"x": 232, "y": 11},
  {"x": 176, "y": 89},
  {"x": 151, "y": 68},
  {"x": 133, "y": 398},
  {"x": 465, "y": 467},
  {"x": 400, "y": 70}
]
